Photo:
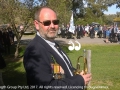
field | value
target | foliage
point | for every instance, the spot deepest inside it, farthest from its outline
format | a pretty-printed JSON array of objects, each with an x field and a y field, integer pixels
[
  {"x": 63, "y": 9},
  {"x": 78, "y": 8},
  {"x": 95, "y": 8},
  {"x": 109, "y": 19},
  {"x": 15, "y": 13},
  {"x": 117, "y": 19}
]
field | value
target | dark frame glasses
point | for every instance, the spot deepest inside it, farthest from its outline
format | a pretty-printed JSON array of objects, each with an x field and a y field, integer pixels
[{"x": 48, "y": 22}]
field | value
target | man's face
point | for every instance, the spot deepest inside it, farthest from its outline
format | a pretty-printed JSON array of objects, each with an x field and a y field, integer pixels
[{"x": 46, "y": 25}]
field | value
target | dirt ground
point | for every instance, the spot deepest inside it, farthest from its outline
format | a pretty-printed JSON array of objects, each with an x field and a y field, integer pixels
[{"x": 84, "y": 40}]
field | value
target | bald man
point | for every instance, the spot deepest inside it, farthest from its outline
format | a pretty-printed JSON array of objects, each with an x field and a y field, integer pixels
[{"x": 46, "y": 64}]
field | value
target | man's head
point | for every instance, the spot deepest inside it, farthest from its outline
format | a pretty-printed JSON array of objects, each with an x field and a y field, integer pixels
[{"x": 46, "y": 23}]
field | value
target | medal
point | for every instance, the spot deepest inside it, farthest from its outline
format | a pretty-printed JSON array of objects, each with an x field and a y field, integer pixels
[{"x": 58, "y": 72}]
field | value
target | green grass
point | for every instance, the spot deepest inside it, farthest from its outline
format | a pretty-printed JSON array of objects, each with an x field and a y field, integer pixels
[
  {"x": 104, "y": 67},
  {"x": 105, "y": 61}
]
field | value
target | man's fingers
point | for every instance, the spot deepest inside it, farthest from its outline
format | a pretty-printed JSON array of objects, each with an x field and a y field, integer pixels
[
  {"x": 82, "y": 73},
  {"x": 87, "y": 78}
]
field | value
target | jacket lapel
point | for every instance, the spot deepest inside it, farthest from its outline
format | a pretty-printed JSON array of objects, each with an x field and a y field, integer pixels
[{"x": 58, "y": 59}]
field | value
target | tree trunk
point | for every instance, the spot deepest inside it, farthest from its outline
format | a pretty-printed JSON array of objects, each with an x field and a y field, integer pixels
[{"x": 17, "y": 49}]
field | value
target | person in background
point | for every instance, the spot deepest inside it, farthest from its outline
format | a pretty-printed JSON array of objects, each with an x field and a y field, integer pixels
[
  {"x": 82, "y": 33},
  {"x": 92, "y": 32},
  {"x": 44, "y": 61},
  {"x": 118, "y": 35},
  {"x": 1, "y": 36},
  {"x": 100, "y": 31},
  {"x": 6, "y": 41},
  {"x": 104, "y": 31},
  {"x": 69, "y": 35},
  {"x": 87, "y": 29},
  {"x": 107, "y": 35},
  {"x": 78, "y": 31},
  {"x": 59, "y": 32},
  {"x": 11, "y": 34},
  {"x": 63, "y": 30},
  {"x": 2, "y": 64}
]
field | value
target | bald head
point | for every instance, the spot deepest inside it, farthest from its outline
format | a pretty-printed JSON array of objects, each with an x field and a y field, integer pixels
[{"x": 42, "y": 10}]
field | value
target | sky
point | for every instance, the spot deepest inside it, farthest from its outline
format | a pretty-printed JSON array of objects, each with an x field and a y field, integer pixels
[{"x": 112, "y": 10}]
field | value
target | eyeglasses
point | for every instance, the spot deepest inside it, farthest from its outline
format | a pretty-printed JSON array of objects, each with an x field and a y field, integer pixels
[{"x": 48, "y": 22}]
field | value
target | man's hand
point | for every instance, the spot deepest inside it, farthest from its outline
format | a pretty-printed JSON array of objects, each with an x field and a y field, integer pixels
[{"x": 87, "y": 77}]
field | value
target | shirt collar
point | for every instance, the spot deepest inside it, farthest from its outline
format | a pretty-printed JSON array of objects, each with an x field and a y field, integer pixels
[{"x": 49, "y": 42}]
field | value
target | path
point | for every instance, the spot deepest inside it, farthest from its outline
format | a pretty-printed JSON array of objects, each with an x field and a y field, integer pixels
[{"x": 85, "y": 40}]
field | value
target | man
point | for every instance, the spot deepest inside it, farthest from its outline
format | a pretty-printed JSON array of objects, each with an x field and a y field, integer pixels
[
  {"x": 2, "y": 64},
  {"x": 79, "y": 30},
  {"x": 87, "y": 27},
  {"x": 100, "y": 31},
  {"x": 42, "y": 60},
  {"x": 68, "y": 33},
  {"x": 63, "y": 31},
  {"x": 96, "y": 30},
  {"x": 104, "y": 31}
]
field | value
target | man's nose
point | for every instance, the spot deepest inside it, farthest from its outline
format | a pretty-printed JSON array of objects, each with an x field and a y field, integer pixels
[{"x": 52, "y": 25}]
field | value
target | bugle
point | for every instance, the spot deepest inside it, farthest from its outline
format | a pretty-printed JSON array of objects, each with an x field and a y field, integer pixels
[{"x": 85, "y": 69}]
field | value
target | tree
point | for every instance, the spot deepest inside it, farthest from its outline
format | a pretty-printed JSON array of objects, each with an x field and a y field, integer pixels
[
  {"x": 63, "y": 9},
  {"x": 78, "y": 8},
  {"x": 12, "y": 9}
]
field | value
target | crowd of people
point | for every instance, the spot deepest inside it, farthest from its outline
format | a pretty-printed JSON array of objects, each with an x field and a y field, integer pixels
[
  {"x": 110, "y": 33},
  {"x": 6, "y": 38}
]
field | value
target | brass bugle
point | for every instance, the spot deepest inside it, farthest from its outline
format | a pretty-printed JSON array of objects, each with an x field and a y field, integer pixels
[{"x": 85, "y": 69}]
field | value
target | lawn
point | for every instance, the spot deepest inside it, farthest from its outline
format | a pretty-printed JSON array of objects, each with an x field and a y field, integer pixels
[{"x": 104, "y": 67}]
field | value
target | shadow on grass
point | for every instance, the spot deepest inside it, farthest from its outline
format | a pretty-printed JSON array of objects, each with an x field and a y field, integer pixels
[{"x": 14, "y": 74}]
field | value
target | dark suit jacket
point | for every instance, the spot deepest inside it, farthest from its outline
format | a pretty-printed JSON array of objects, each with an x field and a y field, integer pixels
[
  {"x": 81, "y": 29},
  {"x": 37, "y": 62},
  {"x": 2, "y": 61}
]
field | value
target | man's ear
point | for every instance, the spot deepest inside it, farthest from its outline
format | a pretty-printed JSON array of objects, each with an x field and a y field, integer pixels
[{"x": 36, "y": 23}]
